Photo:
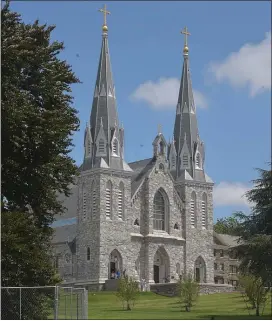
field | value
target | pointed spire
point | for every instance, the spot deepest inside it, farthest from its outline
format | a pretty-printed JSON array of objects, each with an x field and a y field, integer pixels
[
  {"x": 186, "y": 128},
  {"x": 104, "y": 116}
]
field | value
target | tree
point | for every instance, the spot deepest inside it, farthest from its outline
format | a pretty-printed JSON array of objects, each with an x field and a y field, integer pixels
[
  {"x": 37, "y": 119},
  {"x": 228, "y": 225},
  {"x": 37, "y": 123},
  {"x": 127, "y": 291},
  {"x": 187, "y": 291},
  {"x": 255, "y": 248},
  {"x": 254, "y": 290},
  {"x": 26, "y": 260}
]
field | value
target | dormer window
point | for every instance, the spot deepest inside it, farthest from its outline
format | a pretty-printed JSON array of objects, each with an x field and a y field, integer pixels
[
  {"x": 173, "y": 161},
  {"x": 161, "y": 167},
  {"x": 198, "y": 160},
  {"x": 115, "y": 146},
  {"x": 101, "y": 146},
  {"x": 185, "y": 160}
]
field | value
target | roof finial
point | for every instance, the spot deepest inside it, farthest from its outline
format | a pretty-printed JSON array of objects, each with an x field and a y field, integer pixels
[
  {"x": 105, "y": 12},
  {"x": 159, "y": 129},
  {"x": 186, "y": 34}
]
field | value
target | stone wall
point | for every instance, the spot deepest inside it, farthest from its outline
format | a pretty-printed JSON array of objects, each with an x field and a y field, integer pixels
[{"x": 169, "y": 289}]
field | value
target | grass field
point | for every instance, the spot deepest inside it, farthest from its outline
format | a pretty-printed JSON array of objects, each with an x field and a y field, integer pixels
[{"x": 105, "y": 305}]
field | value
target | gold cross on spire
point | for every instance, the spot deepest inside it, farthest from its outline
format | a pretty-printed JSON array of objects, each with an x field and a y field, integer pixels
[
  {"x": 105, "y": 12},
  {"x": 186, "y": 34}
]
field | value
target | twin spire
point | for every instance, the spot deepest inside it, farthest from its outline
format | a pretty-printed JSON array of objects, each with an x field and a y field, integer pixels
[{"x": 104, "y": 138}]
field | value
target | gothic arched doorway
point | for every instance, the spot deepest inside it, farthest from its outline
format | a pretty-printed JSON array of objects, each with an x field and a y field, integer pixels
[
  {"x": 200, "y": 270},
  {"x": 161, "y": 266},
  {"x": 115, "y": 263}
]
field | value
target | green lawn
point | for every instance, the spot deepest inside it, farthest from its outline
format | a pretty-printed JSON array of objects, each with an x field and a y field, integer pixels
[{"x": 105, "y": 305}]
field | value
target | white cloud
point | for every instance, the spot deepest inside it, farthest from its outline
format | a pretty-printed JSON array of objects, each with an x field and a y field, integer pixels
[
  {"x": 163, "y": 94},
  {"x": 250, "y": 66},
  {"x": 226, "y": 193}
]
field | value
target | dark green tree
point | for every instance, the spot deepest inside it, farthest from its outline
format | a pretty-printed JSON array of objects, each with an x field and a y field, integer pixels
[
  {"x": 255, "y": 248},
  {"x": 37, "y": 122},
  {"x": 37, "y": 119},
  {"x": 26, "y": 260}
]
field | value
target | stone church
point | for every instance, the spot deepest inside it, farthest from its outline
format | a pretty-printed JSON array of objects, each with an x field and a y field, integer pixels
[{"x": 152, "y": 218}]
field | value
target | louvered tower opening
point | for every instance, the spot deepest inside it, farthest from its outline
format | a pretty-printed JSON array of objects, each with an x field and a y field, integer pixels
[
  {"x": 193, "y": 209},
  {"x": 204, "y": 210},
  {"x": 185, "y": 160},
  {"x": 84, "y": 205},
  {"x": 94, "y": 200},
  {"x": 121, "y": 201},
  {"x": 108, "y": 199}
]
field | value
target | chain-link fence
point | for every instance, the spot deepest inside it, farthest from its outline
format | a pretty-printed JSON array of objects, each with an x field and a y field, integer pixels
[{"x": 59, "y": 303}]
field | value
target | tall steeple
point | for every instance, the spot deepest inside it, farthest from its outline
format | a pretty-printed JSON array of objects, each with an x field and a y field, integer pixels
[
  {"x": 188, "y": 146},
  {"x": 104, "y": 139}
]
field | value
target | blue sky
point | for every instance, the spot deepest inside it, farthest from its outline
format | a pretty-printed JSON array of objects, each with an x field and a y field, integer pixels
[{"x": 230, "y": 61}]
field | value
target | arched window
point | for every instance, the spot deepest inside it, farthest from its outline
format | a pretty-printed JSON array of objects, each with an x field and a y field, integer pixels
[
  {"x": 161, "y": 151},
  {"x": 101, "y": 146},
  {"x": 115, "y": 146},
  {"x": 193, "y": 209},
  {"x": 94, "y": 199},
  {"x": 198, "y": 160},
  {"x": 88, "y": 254},
  {"x": 204, "y": 210},
  {"x": 173, "y": 161},
  {"x": 176, "y": 227},
  {"x": 108, "y": 199},
  {"x": 121, "y": 193},
  {"x": 161, "y": 167},
  {"x": 185, "y": 160},
  {"x": 67, "y": 257},
  {"x": 159, "y": 211},
  {"x": 178, "y": 269},
  {"x": 136, "y": 222}
]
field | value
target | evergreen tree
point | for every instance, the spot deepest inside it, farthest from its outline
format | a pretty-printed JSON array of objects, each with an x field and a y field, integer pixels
[{"x": 255, "y": 249}]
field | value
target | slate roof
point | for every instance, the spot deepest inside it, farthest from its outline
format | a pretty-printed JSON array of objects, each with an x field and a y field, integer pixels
[
  {"x": 227, "y": 240},
  {"x": 64, "y": 234},
  {"x": 140, "y": 169},
  {"x": 70, "y": 203}
]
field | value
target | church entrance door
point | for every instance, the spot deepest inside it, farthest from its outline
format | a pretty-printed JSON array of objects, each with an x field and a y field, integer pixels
[
  {"x": 156, "y": 274},
  {"x": 161, "y": 266},
  {"x": 200, "y": 270},
  {"x": 112, "y": 268},
  {"x": 115, "y": 264}
]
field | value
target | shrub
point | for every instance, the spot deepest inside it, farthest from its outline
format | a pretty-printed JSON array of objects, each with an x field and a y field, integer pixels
[
  {"x": 187, "y": 291},
  {"x": 127, "y": 291},
  {"x": 255, "y": 291}
]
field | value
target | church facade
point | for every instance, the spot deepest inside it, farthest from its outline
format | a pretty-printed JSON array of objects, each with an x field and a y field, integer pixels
[{"x": 152, "y": 218}]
